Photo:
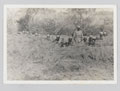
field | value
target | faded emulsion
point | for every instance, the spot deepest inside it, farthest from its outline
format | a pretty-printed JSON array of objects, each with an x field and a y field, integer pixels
[{"x": 60, "y": 44}]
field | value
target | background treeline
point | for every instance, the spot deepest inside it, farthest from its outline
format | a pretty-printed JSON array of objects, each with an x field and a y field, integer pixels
[{"x": 64, "y": 21}]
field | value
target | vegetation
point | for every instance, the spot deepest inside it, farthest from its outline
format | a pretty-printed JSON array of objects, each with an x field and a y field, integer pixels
[{"x": 31, "y": 57}]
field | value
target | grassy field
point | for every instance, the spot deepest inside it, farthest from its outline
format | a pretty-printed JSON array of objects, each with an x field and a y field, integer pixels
[{"x": 31, "y": 57}]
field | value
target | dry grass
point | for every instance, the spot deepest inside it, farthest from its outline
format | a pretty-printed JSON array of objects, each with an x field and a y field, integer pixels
[{"x": 31, "y": 57}]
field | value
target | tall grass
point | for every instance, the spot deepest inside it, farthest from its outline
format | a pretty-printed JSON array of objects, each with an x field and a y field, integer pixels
[{"x": 34, "y": 58}]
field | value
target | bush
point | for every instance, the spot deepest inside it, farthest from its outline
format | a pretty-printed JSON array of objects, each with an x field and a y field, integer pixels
[{"x": 62, "y": 21}]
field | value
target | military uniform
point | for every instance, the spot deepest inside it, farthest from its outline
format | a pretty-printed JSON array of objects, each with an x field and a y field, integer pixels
[{"x": 78, "y": 36}]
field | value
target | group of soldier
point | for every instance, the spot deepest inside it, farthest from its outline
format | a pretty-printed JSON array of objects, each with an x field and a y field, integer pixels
[{"x": 77, "y": 37}]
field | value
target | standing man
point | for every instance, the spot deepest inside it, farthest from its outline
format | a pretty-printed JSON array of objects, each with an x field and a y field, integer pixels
[{"x": 78, "y": 35}]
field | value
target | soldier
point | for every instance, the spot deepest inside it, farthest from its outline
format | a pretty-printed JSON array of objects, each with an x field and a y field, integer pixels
[
  {"x": 57, "y": 38},
  {"x": 101, "y": 33},
  {"x": 104, "y": 34},
  {"x": 65, "y": 40},
  {"x": 86, "y": 39},
  {"x": 92, "y": 40},
  {"x": 78, "y": 35}
]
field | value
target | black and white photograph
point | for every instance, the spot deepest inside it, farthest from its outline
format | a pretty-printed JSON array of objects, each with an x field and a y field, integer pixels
[{"x": 60, "y": 44}]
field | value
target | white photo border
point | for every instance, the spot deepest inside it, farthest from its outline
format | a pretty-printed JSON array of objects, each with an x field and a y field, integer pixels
[{"x": 5, "y": 81}]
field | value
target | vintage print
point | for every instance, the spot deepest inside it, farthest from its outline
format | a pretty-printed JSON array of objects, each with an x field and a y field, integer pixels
[{"x": 58, "y": 43}]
